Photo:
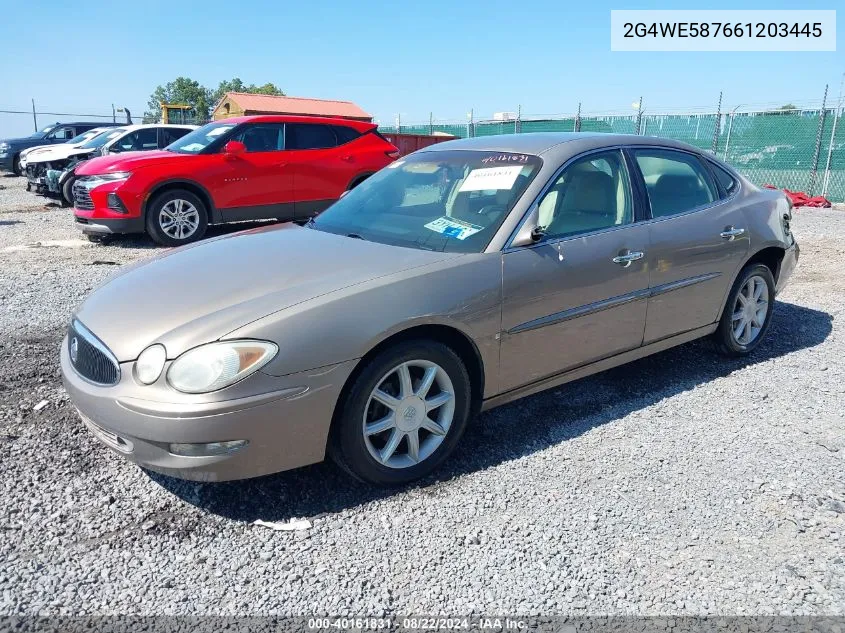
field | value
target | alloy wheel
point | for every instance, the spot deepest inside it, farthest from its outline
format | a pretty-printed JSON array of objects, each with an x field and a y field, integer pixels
[
  {"x": 179, "y": 219},
  {"x": 408, "y": 414},
  {"x": 750, "y": 310}
]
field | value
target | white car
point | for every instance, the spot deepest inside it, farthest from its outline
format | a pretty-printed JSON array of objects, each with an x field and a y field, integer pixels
[
  {"x": 52, "y": 171},
  {"x": 76, "y": 141}
]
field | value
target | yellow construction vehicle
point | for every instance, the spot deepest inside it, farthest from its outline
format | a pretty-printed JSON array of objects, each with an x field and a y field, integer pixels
[{"x": 177, "y": 113}]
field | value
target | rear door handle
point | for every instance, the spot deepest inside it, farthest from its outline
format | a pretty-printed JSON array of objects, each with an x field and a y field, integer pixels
[
  {"x": 624, "y": 259},
  {"x": 730, "y": 233}
]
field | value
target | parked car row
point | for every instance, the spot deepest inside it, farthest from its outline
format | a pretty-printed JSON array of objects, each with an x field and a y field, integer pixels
[
  {"x": 12, "y": 148},
  {"x": 52, "y": 169},
  {"x": 244, "y": 168}
]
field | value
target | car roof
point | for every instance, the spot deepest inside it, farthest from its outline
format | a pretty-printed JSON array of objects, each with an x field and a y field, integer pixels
[
  {"x": 141, "y": 126},
  {"x": 541, "y": 143},
  {"x": 293, "y": 118}
]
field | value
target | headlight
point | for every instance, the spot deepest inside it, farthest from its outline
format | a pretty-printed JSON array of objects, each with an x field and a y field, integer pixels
[
  {"x": 217, "y": 365},
  {"x": 115, "y": 175},
  {"x": 4, "y": 147},
  {"x": 150, "y": 363}
]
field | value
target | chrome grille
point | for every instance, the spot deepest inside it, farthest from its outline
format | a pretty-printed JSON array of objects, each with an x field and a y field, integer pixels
[
  {"x": 82, "y": 197},
  {"x": 90, "y": 358}
]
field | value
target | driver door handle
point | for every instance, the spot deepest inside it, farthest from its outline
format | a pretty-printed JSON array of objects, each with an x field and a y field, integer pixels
[
  {"x": 625, "y": 259},
  {"x": 730, "y": 233}
]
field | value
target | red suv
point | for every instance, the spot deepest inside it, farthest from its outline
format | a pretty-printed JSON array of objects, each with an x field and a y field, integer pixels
[{"x": 245, "y": 168}]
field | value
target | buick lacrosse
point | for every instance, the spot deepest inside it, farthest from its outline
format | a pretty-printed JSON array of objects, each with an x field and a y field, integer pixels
[{"x": 461, "y": 277}]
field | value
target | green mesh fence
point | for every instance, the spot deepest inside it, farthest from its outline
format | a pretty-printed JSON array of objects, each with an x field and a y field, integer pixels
[{"x": 775, "y": 147}]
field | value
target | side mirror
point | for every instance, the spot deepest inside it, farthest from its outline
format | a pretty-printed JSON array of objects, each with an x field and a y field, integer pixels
[
  {"x": 530, "y": 232},
  {"x": 234, "y": 148}
]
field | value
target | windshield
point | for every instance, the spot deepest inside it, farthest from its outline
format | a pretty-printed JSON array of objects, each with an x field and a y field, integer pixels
[
  {"x": 102, "y": 138},
  {"x": 198, "y": 140},
  {"x": 451, "y": 201},
  {"x": 42, "y": 133},
  {"x": 79, "y": 138}
]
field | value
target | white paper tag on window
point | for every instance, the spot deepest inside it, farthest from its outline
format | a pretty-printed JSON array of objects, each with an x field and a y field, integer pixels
[
  {"x": 491, "y": 178},
  {"x": 451, "y": 227}
]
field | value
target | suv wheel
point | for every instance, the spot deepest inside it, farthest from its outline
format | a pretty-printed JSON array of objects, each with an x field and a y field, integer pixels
[
  {"x": 16, "y": 166},
  {"x": 403, "y": 415},
  {"x": 176, "y": 217},
  {"x": 747, "y": 313}
]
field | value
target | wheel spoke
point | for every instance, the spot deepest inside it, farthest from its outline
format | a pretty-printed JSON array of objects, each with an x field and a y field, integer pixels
[
  {"x": 386, "y": 399},
  {"x": 737, "y": 316},
  {"x": 758, "y": 292},
  {"x": 749, "y": 288},
  {"x": 405, "y": 386},
  {"x": 432, "y": 427},
  {"x": 739, "y": 329},
  {"x": 414, "y": 445},
  {"x": 179, "y": 204},
  {"x": 380, "y": 426},
  {"x": 437, "y": 401},
  {"x": 746, "y": 335},
  {"x": 427, "y": 381},
  {"x": 391, "y": 446},
  {"x": 760, "y": 317},
  {"x": 742, "y": 300}
]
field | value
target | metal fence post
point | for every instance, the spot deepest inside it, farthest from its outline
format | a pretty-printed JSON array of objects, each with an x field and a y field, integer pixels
[
  {"x": 818, "y": 149},
  {"x": 639, "y": 114},
  {"x": 399, "y": 124},
  {"x": 517, "y": 128},
  {"x": 718, "y": 121},
  {"x": 837, "y": 114},
  {"x": 577, "y": 127},
  {"x": 471, "y": 124},
  {"x": 431, "y": 123},
  {"x": 730, "y": 128}
]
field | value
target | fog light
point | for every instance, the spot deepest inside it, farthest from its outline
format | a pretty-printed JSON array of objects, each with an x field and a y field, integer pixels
[
  {"x": 207, "y": 450},
  {"x": 115, "y": 203}
]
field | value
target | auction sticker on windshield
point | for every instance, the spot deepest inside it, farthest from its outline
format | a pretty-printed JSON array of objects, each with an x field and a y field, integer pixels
[
  {"x": 490, "y": 178},
  {"x": 450, "y": 227}
]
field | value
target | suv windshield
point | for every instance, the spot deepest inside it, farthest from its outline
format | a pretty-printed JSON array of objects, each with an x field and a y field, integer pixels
[
  {"x": 451, "y": 201},
  {"x": 81, "y": 137},
  {"x": 198, "y": 140},
  {"x": 102, "y": 138}
]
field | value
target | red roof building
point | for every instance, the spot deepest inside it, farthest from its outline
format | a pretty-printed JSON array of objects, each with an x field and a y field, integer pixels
[{"x": 241, "y": 103}]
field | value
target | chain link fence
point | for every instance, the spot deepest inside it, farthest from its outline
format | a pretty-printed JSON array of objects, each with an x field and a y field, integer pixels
[{"x": 798, "y": 148}]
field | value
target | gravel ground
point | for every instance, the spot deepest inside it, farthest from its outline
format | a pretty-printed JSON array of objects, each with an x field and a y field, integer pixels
[{"x": 680, "y": 484}]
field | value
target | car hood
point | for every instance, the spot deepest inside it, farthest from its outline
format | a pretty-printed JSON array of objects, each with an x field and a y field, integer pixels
[
  {"x": 52, "y": 152},
  {"x": 196, "y": 294},
  {"x": 127, "y": 161}
]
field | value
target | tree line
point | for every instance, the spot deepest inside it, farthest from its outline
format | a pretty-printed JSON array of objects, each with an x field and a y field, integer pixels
[{"x": 201, "y": 98}]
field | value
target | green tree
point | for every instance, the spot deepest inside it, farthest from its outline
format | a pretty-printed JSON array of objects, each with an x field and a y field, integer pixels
[
  {"x": 237, "y": 85},
  {"x": 180, "y": 90}
]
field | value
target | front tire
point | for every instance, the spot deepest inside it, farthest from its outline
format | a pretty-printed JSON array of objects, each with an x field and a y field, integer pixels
[
  {"x": 176, "y": 217},
  {"x": 748, "y": 312},
  {"x": 16, "y": 166},
  {"x": 403, "y": 415},
  {"x": 67, "y": 192}
]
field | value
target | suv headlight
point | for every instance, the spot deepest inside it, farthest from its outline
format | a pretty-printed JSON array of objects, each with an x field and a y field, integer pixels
[
  {"x": 216, "y": 365},
  {"x": 100, "y": 179},
  {"x": 4, "y": 147}
]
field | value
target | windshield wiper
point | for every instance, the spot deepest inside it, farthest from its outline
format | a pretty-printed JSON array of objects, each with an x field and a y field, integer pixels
[{"x": 356, "y": 236}]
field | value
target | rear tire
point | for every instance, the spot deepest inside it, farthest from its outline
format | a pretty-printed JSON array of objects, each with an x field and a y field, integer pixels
[
  {"x": 747, "y": 313},
  {"x": 421, "y": 432},
  {"x": 176, "y": 217}
]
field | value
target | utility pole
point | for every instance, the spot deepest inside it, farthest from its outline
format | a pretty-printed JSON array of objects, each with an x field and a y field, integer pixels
[{"x": 34, "y": 118}]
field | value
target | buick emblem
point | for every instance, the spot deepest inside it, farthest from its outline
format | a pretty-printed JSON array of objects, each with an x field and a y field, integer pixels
[
  {"x": 410, "y": 413},
  {"x": 74, "y": 349}
]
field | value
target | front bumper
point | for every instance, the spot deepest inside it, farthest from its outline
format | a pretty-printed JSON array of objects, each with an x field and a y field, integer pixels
[
  {"x": 285, "y": 421},
  {"x": 787, "y": 266},
  {"x": 106, "y": 226}
]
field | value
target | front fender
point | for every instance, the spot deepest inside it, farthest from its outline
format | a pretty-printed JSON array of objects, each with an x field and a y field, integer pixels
[{"x": 462, "y": 293}]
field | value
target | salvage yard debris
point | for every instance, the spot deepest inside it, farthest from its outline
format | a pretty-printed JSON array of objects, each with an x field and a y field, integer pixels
[
  {"x": 801, "y": 199},
  {"x": 294, "y": 525}
]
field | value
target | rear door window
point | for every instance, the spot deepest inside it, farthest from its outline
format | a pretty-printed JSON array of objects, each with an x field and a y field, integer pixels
[
  {"x": 345, "y": 134},
  {"x": 310, "y": 136},
  {"x": 676, "y": 182},
  {"x": 728, "y": 182},
  {"x": 167, "y": 135}
]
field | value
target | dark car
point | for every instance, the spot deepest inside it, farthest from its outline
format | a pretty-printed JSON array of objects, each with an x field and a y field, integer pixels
[{"x": 11, "y": 148}]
